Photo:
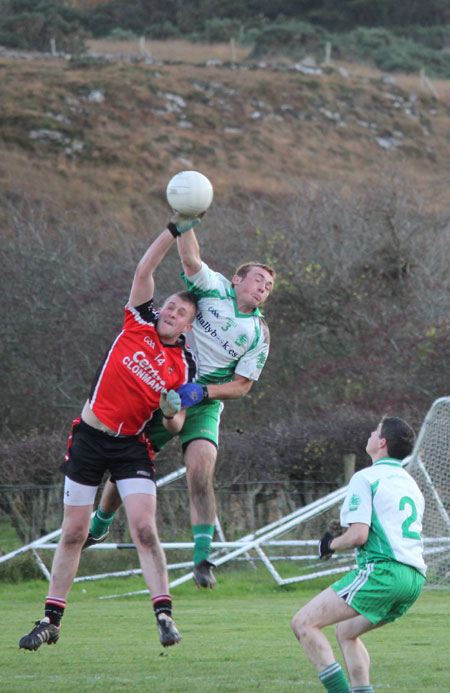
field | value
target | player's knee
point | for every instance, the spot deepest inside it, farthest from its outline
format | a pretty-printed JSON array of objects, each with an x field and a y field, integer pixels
[
  {"x": 145, "y": 534},
  {"x": 299, "y": 625},
  {"x": 200, "y": 476},
  {"x": 74, "y": 536},
  {"x": 341, "y": 631}
]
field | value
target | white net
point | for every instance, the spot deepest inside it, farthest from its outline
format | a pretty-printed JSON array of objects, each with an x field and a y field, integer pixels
[{"x": 429, "y": 464}]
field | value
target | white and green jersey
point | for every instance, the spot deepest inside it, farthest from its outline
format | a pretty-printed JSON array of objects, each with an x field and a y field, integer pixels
[
  {"x": 225, "y": 340},
  {"x": 385, "y": 497}
]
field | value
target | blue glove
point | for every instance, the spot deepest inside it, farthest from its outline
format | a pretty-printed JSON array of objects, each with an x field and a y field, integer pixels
[
  {"x": 191, "y": 394},
  {"x": 169, "y": 403}
]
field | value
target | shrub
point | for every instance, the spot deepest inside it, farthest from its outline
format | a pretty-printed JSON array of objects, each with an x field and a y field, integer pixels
[{"x": 295, "y": 39}]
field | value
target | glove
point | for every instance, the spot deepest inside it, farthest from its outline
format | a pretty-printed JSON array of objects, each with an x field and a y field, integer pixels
[
  {"x": 324, "y": 546},
  {"x": 180, "y": 224},
  {"x": 169, "y": 403},
  {"x": 191, "y": 393}
]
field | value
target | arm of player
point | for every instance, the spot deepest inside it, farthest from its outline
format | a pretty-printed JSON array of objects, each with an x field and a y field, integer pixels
[
  {"x": 193, "y": 393},
  {"x": 356, "y": 535},
  {"x": 143, "y": 286},
  {"x": 189, "y": 252}
]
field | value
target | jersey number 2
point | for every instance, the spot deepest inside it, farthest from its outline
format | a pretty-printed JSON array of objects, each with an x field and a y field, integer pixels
[{"x": 407, "y": 534}]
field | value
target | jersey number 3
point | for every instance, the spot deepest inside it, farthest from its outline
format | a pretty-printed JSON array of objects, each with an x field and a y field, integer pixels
[{"x": 412, "y": 517}]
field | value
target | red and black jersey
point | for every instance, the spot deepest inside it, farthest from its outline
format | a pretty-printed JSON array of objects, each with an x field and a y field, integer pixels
[{"x": 128, "y": 384}]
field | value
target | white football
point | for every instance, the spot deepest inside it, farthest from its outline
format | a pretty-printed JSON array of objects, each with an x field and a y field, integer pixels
[{"x": 189, "y": 193}]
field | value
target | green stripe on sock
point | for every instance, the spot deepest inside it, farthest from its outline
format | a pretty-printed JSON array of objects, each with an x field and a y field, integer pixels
[{"x": 203, "y": 535}]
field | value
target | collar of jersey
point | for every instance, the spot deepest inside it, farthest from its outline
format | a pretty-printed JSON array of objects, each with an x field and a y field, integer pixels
[
  {"x": 232, "y": 295},
  {"x": 388, "y": 460}
]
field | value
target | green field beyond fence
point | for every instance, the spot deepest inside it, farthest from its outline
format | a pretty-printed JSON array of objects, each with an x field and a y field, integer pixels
[{"x": 235, "y": 638}]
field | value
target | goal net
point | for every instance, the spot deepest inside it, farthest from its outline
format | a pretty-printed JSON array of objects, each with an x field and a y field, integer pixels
[{"x": 429, "y": 464}]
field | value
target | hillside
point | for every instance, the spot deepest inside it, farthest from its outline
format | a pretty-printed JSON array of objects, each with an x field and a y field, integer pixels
[{"x": 107, "y": 134}]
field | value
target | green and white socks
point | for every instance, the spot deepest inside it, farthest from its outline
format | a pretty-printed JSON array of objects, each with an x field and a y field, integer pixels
[
  {"x": 101, "y": 523},
  {"x": 334, "y": 680},
  {"x": 203, "y": 535}
]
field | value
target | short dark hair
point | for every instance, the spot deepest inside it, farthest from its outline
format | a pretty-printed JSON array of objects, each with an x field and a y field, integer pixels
[
  {"x": 399, "y": 437},
  {"x": 191, "y": 298}
]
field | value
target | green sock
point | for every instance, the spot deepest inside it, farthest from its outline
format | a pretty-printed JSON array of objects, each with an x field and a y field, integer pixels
[
  {"x": 333, "y": 678},
  {"x": 101, "y": 522},
  {"x": 203, "y": 535}
]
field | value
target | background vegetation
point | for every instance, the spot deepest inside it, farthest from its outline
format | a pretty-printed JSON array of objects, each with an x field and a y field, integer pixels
[
  {"x": 338, "y": 178},
  {"x": 392, "y": 36}
]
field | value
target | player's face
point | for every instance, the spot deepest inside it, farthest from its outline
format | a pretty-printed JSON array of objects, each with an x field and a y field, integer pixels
[
  {"x": 374, "y": 442},
  {"x": 253, "y": 289},
  {"x": 174, "y": 318}
]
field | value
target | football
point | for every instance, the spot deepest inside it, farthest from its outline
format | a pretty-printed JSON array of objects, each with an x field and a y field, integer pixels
[{"x": 189, "y": 193}]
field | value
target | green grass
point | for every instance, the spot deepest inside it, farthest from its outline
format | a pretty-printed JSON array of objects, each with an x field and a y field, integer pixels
[{"x": 235, "y": 638}]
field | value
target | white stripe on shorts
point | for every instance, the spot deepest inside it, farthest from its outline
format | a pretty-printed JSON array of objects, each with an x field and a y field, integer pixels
[{"x": 358, "y": 582}]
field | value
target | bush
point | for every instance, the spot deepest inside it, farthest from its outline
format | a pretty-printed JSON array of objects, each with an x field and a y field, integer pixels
[
  {"x": 390, "y": 52},
  {"x": 119, "y": 34},
  {"x": 31, "y": 25},
  {"x": 163, "y": 30},
  {"x": 294, "y": 39}
]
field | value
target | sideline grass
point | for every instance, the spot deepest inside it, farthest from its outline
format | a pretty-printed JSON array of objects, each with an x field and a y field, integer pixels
[{"x": 235, "y": 638}]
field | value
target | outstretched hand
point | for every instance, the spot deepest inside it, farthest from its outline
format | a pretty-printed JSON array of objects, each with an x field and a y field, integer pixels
[
  {"x": 185, "y": 223},
  {"x": 191, "y": 394},
  {"x": 169, "y": 403}
]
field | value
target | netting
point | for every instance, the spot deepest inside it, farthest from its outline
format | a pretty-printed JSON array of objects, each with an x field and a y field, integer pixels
[{"x": 429, "y": 464}]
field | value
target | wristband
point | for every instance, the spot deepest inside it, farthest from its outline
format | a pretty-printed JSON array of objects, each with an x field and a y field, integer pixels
[
  {"x": 205, "y": 392},
  {"x": 173, "y": 229}
]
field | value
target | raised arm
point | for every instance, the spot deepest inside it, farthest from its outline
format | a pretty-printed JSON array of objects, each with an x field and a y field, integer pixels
[
  {"x": 189, "y": 251},
  {"x": 143, "y": 286}
]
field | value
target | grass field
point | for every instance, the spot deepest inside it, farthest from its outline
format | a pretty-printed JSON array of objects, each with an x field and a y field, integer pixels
[{"x": 235, "y": 638}]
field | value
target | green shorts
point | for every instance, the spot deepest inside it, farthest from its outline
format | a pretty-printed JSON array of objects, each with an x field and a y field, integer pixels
[
  {"x": 202, "y": 421},
  {"x": 381, "y": 591}
]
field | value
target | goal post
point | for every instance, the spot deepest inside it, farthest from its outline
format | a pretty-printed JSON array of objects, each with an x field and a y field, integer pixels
[{"x": 429, "y": 464}]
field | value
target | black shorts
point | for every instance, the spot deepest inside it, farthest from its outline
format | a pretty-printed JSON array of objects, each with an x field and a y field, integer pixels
[{"x": 91, "y": 453}]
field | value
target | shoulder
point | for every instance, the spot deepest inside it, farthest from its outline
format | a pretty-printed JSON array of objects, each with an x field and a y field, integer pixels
[{"x": 143, "y": 314}]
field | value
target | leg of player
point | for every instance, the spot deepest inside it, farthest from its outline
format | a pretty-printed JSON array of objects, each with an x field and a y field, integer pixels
[
  {"x": 355, "y": 653},
  {"x": 64, "y": 570},
  {"x": 141, "y": 515},
  {"x": 200, "y": 459},
  {"x": 110, "y": 502},
  {"x": 323, "y": 610}
]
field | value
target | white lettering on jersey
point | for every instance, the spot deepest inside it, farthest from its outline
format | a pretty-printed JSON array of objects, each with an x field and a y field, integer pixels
[{"x": 141, "y": 367}]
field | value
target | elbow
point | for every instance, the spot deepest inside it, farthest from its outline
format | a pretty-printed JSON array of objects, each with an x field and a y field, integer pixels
[{"x": 360, "y": 537}]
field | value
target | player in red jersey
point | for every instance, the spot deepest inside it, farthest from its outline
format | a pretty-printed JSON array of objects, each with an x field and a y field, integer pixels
[{"x": 147, "y": 361}]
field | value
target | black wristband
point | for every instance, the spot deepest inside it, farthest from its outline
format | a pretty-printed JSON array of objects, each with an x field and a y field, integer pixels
[
  {"x": 205, "y": 392},
  {"x": 173, "y": 229}
]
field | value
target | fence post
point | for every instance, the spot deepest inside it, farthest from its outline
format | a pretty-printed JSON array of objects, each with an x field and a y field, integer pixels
[
  {"x": 328, "y": 53},
  {"x": 53, "y": 46},
  {"x": 143, "y": 51},
  {"x": 349, "y": 466},
  {"x": 233, "y": 50},
  {"x": 425, "y": 82}
]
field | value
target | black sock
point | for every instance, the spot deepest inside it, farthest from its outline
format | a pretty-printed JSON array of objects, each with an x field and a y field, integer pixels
[
  {"x": 162, "y": 604},
  {"x": 53, "y": 611}
]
